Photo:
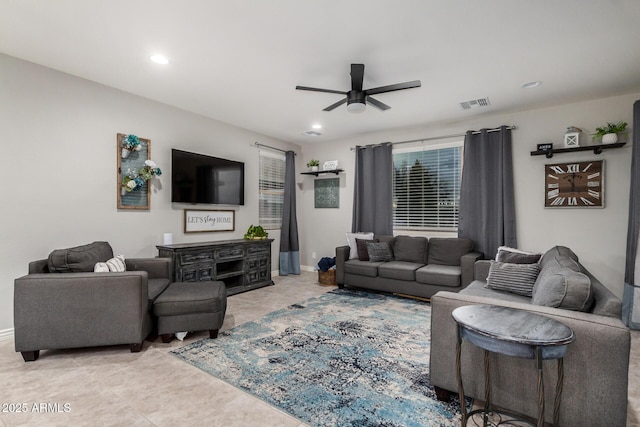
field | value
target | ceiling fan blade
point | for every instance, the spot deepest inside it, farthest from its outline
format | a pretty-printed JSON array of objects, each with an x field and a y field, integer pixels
[
  {"x": 391, "y": 88},
  {"x": 357, "y": 77},
  {"x": 377, "y": 103},
  {"x": 336, "y": 105},
  {"x": 315, "y": 89}
]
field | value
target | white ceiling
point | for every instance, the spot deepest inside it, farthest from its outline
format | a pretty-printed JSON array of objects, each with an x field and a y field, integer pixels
[{"x": 239, "y": 61}]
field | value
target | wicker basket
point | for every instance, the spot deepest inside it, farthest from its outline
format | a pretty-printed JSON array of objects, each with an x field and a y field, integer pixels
[{"x": 327, "y": 278}]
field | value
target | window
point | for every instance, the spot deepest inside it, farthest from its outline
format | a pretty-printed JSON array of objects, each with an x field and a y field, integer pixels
[
  {"x": 426, "y": 187},
  {"x": 271, "y": 189}
]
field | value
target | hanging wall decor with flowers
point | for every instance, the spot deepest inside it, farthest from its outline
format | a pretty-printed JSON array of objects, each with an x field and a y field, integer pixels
[{"x": 135, "y": 172}]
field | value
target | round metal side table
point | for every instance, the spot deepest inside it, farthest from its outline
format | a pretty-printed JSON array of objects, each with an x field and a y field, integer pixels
[{"x": 511, "y": 332}]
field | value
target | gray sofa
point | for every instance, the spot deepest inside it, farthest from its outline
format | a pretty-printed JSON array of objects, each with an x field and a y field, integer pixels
[
  {"x": 596, "y": 364},
  {"x": 62, "y": 303},
  {"x": 419, "y": 267}
]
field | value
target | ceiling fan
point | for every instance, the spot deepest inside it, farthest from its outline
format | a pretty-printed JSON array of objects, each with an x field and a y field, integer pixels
[{"x": 357, "y": 98}]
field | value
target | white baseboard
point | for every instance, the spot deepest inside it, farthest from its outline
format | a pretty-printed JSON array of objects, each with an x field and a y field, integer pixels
[
  {"x": 307, "y": 268},
  {"x": 6, "y": 334}
]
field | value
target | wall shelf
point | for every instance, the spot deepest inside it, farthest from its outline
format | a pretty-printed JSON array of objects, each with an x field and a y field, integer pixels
[
  {"x": 336, "y": 171},
  {"x": 597, "y": 149}
]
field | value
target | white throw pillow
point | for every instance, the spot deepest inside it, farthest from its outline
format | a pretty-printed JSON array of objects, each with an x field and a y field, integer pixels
[
  {"x": 115, "y": 264},
  {"x": 351, "y": 240}
]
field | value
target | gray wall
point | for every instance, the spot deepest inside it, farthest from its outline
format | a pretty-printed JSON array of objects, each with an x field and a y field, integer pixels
[
  {"x": 58, "y": 174},
  {"x": 58, "y": 169},
  {"x": 598, "y": 236}
]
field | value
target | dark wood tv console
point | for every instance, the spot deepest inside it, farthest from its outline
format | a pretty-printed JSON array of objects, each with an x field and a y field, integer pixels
[{"x": 241, "y": 264}]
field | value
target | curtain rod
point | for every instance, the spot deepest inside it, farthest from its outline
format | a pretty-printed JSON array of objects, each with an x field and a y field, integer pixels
[
  {"x": 432, "y": 138},
  {"x": 274, "y": 148}
]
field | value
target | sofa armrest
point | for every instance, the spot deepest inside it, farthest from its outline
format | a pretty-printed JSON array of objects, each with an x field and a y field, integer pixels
[
  {"x": 67, "y": 310},
  {"x": 481, "y": 270},
  {"x": 342, "y": 255},
  {"x": 595, "y": 366},
  {"x": 467, "y": 262},
  {"x": 156, "y": 268}
]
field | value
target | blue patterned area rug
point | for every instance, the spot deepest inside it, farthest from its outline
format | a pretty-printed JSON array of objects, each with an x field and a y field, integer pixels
[{"x": 346, "y": 358}]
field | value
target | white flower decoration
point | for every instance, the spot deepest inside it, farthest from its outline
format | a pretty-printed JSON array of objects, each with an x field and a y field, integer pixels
[{"x": 150, "y": 163}]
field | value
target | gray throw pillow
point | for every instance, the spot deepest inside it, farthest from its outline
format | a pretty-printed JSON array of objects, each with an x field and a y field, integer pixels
[
  {"x": 514, "y": 278},
  {"x": 80, "y": 258},
  {"x": 361, "y": 244},
  {"x": 516, "y": 256},
  {"x": 379, "y": 251}
]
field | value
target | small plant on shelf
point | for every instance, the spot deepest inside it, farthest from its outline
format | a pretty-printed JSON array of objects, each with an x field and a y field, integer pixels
[
  {"x": 609, "y": 133},
  {"x": 256, "y": 232},
  {"x": 313, "y": 164}
]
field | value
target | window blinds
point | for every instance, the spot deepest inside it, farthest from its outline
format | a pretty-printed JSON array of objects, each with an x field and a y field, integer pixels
[
  {"x": 271, "y": 189},
  {"x": 426, "y": 187}
]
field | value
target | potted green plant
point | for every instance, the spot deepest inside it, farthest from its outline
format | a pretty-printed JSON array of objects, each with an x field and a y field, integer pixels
[
  {"x": 609, "y": 133},
  {"x": 313, "y": 164},
  {"x": 256, "y": 232}
]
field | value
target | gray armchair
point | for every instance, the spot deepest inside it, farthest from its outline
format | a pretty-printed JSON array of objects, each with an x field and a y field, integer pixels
[{"x": 56, "y": 310}]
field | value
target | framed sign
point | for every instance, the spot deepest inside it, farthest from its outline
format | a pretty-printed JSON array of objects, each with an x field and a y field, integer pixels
[
  {"x": 203, "y": 221},
  {"x": 574, "y": 185}
]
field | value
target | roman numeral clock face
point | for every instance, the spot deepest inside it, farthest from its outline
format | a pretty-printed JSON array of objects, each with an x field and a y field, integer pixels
[{"x": 579, "y": 184}]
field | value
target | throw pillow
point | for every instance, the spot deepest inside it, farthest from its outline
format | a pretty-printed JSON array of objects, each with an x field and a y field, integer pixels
[
  {"x": 351, "y": 241},
  {"x": 379, "y": 251},
  {"x": 114, "y": 265},
  {"x": 79, "y": 258},
  {"x": 363, "y": 254},
  {"x": 515, "y": 278},
  {"x": 516, "y": 256}
]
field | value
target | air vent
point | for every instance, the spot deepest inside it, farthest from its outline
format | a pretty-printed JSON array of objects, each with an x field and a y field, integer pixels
[
  {"x": 311, "y": 133},
  {"x": 475, "y": 103}
]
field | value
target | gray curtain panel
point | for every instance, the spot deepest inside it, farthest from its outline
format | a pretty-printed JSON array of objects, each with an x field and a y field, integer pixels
[
  {"x": 289, "y": 246},
  {"x": 487, "y": 208},
  {"x": 372, "y": 195},
  {"x": 631, "y": 294}
]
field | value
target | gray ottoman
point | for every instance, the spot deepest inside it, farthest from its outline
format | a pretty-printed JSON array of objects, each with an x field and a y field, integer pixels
[{"x": 190, "y": 306}]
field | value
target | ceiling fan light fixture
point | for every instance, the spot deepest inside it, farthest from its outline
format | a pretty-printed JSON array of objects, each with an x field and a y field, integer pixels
[{"x": 356, "y": 107}]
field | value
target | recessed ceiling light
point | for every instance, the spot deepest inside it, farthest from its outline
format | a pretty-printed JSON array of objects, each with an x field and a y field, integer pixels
[
  {"x": 159, "y": 59},
  {"x": 531, "y": 85},
  {"x": 317, "y": 126}
]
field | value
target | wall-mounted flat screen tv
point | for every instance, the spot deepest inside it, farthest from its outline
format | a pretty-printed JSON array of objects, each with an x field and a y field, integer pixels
[{"x": 197, "y": 178}]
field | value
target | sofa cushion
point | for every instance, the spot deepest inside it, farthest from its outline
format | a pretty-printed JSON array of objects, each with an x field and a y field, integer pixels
[
  {"x": 79, "y": 258},
  {"x": 448, "y": 251},
  {"x": 361, "y": 246},
  {"x": 515, "y": 278},
  {"x": 516, "y": 256},
  {"x": 561, "y": 282},
  {"x": 562, "y": 256},
  {"x": 361, "y": 268},
  {"x": 351, "y": 241},
  {"x": 477, "y": 289},
  {"x": 400, "y": 270},
  {"x": 442, "y": 275},
  {"x": 563, "y": 287},
  {"x": 379, "y": 251},
  {"x": 411, "y": 249},
  {"x": 155, "y": 287}
]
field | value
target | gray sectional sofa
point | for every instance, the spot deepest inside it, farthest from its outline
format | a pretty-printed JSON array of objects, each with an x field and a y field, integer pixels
[
  {"x": 596, "y": 364},
  {"x": 418, "y": 267}
]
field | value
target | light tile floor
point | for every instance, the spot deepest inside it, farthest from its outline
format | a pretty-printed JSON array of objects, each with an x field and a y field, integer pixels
[{"x": 110, "y": 386}]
